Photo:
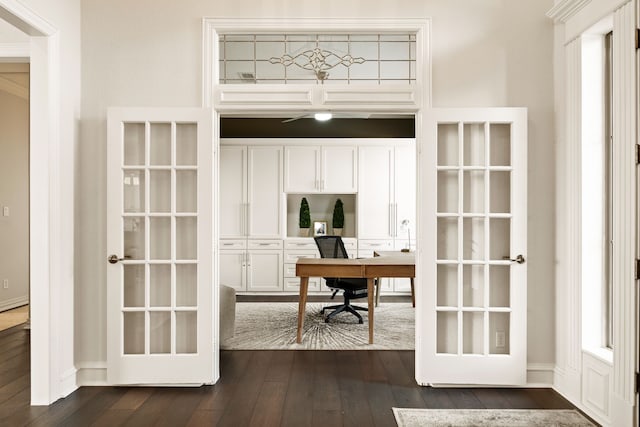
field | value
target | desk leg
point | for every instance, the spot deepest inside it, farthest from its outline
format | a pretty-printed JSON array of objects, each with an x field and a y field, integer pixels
[
  {"x": 413, "y": 294},
  {"x": 370, "y": 284},
  {"x": 304, "y": 284},
  {"x": 378, "y": 284}
]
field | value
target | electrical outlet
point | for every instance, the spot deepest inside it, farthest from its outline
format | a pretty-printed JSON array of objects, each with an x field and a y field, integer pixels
[
  {"x": 5, "y": 283},
  {"x": 500, "y": 339}
]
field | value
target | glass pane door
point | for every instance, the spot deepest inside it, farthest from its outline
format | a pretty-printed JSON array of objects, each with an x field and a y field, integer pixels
[
  {"x": 160, "y": 238},
  {"x": 480, "y": 210},
  {"x": 160, "y": 303}
]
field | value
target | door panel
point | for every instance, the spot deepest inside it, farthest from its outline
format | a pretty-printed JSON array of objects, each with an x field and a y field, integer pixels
[
  {"x": 339, "y": 170},
  {"x": 265, "y": 192},
  {"x": 233, "y": 192},
  {"x": 264, "y": 270},
  {"x": 233, "y": 269},
  {"x": 475, "y": 289},
  {"x": 302, "y": 169},
  {"x": 159, "y": 237},
  {"x": 375, "y": 194}
]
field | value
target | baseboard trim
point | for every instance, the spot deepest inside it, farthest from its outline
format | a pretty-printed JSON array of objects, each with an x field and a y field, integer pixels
[
  {"x": 68, "y": 382},
  {"x": 540, "y": 375},
  {"x": 91, "y": 374},
  {"x": 14, "y": 303}
]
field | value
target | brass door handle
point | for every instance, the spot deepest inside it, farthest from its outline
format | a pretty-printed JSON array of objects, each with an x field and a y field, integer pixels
[
  {"x": 519, "y": 259},
  {"x": 113, "y": 259}
]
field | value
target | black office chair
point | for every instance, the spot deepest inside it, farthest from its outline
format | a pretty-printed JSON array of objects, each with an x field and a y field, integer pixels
[{"x": 333, "y": 247}]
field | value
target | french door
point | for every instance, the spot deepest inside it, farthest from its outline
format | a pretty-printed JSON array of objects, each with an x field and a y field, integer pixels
[
  {"x": 159, "y": 246},
  {"x": 474, "y": 244}
]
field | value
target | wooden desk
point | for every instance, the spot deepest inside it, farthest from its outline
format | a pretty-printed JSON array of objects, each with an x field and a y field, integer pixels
[
  {"x": 406, "y": 255},
  {"x": 369, "y": 268}
]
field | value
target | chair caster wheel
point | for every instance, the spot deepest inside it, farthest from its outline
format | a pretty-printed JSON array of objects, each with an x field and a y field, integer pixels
[{"x": 326, "y": 320}]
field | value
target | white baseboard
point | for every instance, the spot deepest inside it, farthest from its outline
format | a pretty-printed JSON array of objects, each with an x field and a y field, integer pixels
[
  {"x": 91, "y": 374},
  {"x": 540, "y": 375},
  {"x": 14, "y": 303},
  {"x": 68, "y": 382}
]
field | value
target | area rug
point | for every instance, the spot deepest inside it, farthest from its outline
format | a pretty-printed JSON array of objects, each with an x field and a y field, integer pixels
[
  {"x": 408, "y": 417},
  {"x": 273, "y": 326}
]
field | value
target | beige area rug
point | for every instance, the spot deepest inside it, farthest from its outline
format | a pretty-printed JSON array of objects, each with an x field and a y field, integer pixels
[
  {"x": 13, "y": 317},
  {"x": 408, "y": 417},
  {"x": 273, "y": 326}
]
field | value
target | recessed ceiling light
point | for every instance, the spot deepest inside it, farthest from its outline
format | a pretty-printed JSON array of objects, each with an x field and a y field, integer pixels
[{"x": 322, "y": 117}]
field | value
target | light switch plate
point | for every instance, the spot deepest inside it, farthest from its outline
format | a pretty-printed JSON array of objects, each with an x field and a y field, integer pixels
[{"x": 5, "y": 211}]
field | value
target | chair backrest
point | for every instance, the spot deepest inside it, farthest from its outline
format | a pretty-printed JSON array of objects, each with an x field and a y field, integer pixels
[{"x": 331, "y": 247}]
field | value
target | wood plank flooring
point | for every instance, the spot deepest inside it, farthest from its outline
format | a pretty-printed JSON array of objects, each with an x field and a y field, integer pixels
[{"x": 257, "y": 388}]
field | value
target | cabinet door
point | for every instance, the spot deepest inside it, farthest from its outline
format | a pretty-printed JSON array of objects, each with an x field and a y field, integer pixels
[
  {"x": 339, "y": 170},
  {"x": 302, "y": 169},
  {"x": 404, "y": 208},
  {"x": 375, "y": 192},
  {"x": 264, "y": 270},
  {"x": 232, "y": 269},
  {"x": 264, "y": 199},
  {"x": 233, "y": 192}
]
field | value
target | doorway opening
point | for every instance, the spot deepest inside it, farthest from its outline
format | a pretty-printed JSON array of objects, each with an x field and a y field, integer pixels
[
  {"x": 263, "y": 277},
  {"x": 14, "y": 194}
]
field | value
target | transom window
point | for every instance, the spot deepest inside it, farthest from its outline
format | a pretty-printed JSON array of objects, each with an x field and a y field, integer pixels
[{"x": 318, "y": 58}]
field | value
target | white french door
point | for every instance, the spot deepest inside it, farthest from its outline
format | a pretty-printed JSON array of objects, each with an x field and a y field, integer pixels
[
  {"x": 159, "y": 246},
  {"x": 473, "y": 248}
]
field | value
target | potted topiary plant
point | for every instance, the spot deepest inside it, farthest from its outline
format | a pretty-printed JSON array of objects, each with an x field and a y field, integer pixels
[
  {"x": 305, "y": 218},
  {"x": 338, "y": 218}
]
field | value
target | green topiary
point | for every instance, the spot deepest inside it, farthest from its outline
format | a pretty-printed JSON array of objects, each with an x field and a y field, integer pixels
[
  {"x": 338, "y": 215},
  {"x": 305, "y": 216}
]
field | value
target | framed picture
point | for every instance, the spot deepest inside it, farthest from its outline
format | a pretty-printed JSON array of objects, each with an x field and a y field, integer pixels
[{"x": 320, "y": 228}]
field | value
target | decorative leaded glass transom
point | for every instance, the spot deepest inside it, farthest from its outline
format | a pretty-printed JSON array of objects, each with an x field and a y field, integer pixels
[{"x": 318, "y": 58}]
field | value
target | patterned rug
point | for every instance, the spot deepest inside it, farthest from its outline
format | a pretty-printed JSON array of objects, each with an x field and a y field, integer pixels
[
  {"x": 406, "y": 417},
  {"x": 273, "y": 326}
]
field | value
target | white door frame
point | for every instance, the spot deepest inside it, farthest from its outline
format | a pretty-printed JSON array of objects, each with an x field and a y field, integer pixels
[
  {"x": 269, "y": 99},
  {"x": 51, "y": 334}
]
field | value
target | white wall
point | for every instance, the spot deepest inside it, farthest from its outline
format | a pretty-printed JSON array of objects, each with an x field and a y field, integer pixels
[
  {"x": 149, "y": 53},
  {"x": 14, "y": 192}
]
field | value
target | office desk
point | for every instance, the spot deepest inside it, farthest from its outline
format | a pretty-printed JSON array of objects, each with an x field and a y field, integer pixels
[
  {"x": 406, "y": 255},
  {"x": 369, "y": 268}
]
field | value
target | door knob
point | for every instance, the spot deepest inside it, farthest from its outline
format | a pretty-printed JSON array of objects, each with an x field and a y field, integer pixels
[
  {"x": 519, "y": 259},
  {"x": 113, "y": 259}
]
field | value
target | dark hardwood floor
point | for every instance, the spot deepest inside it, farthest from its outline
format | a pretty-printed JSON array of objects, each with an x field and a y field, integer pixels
[{"x": 257, "y": 388}]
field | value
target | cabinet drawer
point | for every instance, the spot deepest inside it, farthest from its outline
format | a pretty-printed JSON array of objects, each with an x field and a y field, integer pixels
[
  {"x": 386, "y": 245},
  {"x": 289, "y": 270},
  {"x": 265, "y": 244},
  {"x": 292, "y": 284},
  {"x": 300, "y": 244},
  {"x": 350, "y": 243},
  {"x": 233, "y": 244},
  {"x": 292, "y": 256}
]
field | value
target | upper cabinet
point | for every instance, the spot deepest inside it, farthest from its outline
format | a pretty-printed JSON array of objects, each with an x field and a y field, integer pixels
[
  {"x": 251, "y": 192},
  {"x": 320, "y": 169},
  {"x": 387, "y": 191}
]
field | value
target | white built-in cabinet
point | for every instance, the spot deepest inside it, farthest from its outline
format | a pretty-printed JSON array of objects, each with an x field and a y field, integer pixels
[
  {"x": 251, "y": 217},
  {"x": 386, "y": 199},
  {"x": 320, "y": 169},
  {"x": 256, "y": 255}
]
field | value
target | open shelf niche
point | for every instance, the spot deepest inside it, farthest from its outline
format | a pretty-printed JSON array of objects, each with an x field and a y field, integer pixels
[{"x": 321, "y": 209}]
